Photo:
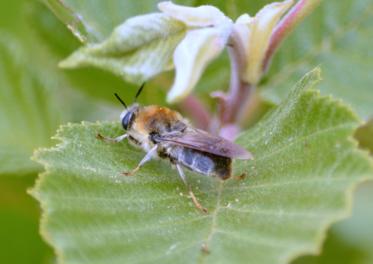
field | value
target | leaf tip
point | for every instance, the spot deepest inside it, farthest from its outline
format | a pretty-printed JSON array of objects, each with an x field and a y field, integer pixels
[
  {"x": 315, "y": 75},
  {"x": 308, "y": 81}
]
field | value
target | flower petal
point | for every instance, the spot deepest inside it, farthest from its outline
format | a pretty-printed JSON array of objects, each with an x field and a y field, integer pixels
[
  {"x": 242, "y": 30},
  {"x": 202, "y": 16},
  {"x": 255, "y": 38},
  {"x": 192, "y": 55}
]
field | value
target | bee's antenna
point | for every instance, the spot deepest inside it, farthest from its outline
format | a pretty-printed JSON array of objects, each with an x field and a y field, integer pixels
[
  {"x": 120, "y": 100},
  {"x": 139, "y": 91}
]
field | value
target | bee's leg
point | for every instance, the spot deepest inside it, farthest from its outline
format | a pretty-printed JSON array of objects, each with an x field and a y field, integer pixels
[
  {"x": 240, "y": 177},
  {"x": 111, "y": 140},
  {"x": 192, "y": 196},
  {"x": 147, "y": 157}
]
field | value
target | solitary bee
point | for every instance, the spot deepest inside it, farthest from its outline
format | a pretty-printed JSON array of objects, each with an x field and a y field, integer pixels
[{"x": 162, "y": 132}]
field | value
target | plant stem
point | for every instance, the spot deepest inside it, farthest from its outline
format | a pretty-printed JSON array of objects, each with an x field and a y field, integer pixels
[
  {"x": 235, "y": 101},
  {"x": 296, "y": 14},
  {"x": 197, "y": 112}
]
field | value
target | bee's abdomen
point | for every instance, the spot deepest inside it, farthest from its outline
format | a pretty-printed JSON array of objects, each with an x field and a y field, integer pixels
[{"x": 202, "y": 162}]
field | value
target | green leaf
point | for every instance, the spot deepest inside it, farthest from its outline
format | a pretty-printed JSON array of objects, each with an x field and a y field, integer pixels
[
  {"x": 337, "y": 36},
  {"x": 20, "y": 241},
  {"x": 350, "y": 241},
  {"x": 94, "y": 20},
  {"x": 32, "y": 93},
  {"x": 28, "y": 116},
  {"x": 59, "y": 43},
  {"x": 300, "y": 182},
  {"x": 137, "y": 50}
]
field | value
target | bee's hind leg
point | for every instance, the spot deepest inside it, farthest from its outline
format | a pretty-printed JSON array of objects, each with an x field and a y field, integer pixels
[
  {"x": 111, "y": 140},
  {"x": 192, "y": 196},
  {"x": 240, "y": 177},
  {"x": 147, "y": 157}
]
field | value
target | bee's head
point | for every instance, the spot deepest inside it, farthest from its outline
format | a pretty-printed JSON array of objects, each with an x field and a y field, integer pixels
[{"x": 128, "y": 116}]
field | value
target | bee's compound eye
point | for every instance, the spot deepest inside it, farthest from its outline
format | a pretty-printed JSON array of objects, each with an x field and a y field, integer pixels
[{"x": 127, "y": 120}]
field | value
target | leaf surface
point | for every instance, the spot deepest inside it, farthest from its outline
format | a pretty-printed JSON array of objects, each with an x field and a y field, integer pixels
[
  {"x": 350, "y": 241},
  {"x": 137, "y": 50},
  {"x": 300, "y": 182}
]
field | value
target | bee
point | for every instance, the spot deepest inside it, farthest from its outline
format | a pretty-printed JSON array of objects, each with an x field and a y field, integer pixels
[{"x": 164, "y": 133}]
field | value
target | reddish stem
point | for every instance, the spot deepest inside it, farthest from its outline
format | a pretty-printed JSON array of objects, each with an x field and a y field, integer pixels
[
  {"x": 239, "y": 92},
  {"x": 235, "y": 101},
  {"x": 197, "y": 111}
]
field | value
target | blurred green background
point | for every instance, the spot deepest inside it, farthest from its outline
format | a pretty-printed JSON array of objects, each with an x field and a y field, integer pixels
[{"x": 36, "y": 97}]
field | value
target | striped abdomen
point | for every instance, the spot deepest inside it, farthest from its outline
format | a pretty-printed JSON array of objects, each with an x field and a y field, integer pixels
[{"x": 201, "y": 162}]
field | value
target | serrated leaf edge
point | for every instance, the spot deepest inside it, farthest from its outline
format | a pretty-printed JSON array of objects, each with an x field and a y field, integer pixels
[
  {"x": 33, "y": 191},
  {"x": 321, "y": 233},
  {"x": 346, "y": 212}
]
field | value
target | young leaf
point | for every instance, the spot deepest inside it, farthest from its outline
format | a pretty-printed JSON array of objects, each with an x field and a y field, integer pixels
[
  {"x": 94, "y": 20},
  {"x": 104, "y": 84},
  {"x": 137, "y": 50},
  {"x": 306, "y": 164}
]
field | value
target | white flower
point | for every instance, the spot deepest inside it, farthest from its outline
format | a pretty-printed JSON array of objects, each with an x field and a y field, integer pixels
[
  {"x": 254, "y": 34},
  {"x": 208, "y": 32},
  {"x": 202, "y": 16}
]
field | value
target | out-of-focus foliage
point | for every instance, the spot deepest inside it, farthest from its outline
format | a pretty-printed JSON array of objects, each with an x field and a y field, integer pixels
[
  {"x": 24, "y": 124},
  {"x": 35, "y": 98},
  {"x": 28, "y": 115},
  {"x": 20, "y": 240}
]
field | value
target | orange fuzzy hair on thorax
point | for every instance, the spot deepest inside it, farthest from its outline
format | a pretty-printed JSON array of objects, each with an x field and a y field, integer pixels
[{"x": 155, "y": 118}]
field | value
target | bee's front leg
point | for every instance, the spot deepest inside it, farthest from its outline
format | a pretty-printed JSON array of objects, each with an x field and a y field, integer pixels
[
  {"x": 111, "y": 140},
  {"x": 147, "y": 157},
  {"x": 192, "y": 196}
]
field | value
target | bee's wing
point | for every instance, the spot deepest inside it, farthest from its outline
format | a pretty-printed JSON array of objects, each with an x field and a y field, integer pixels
[{"x": 203, "y": 141}]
